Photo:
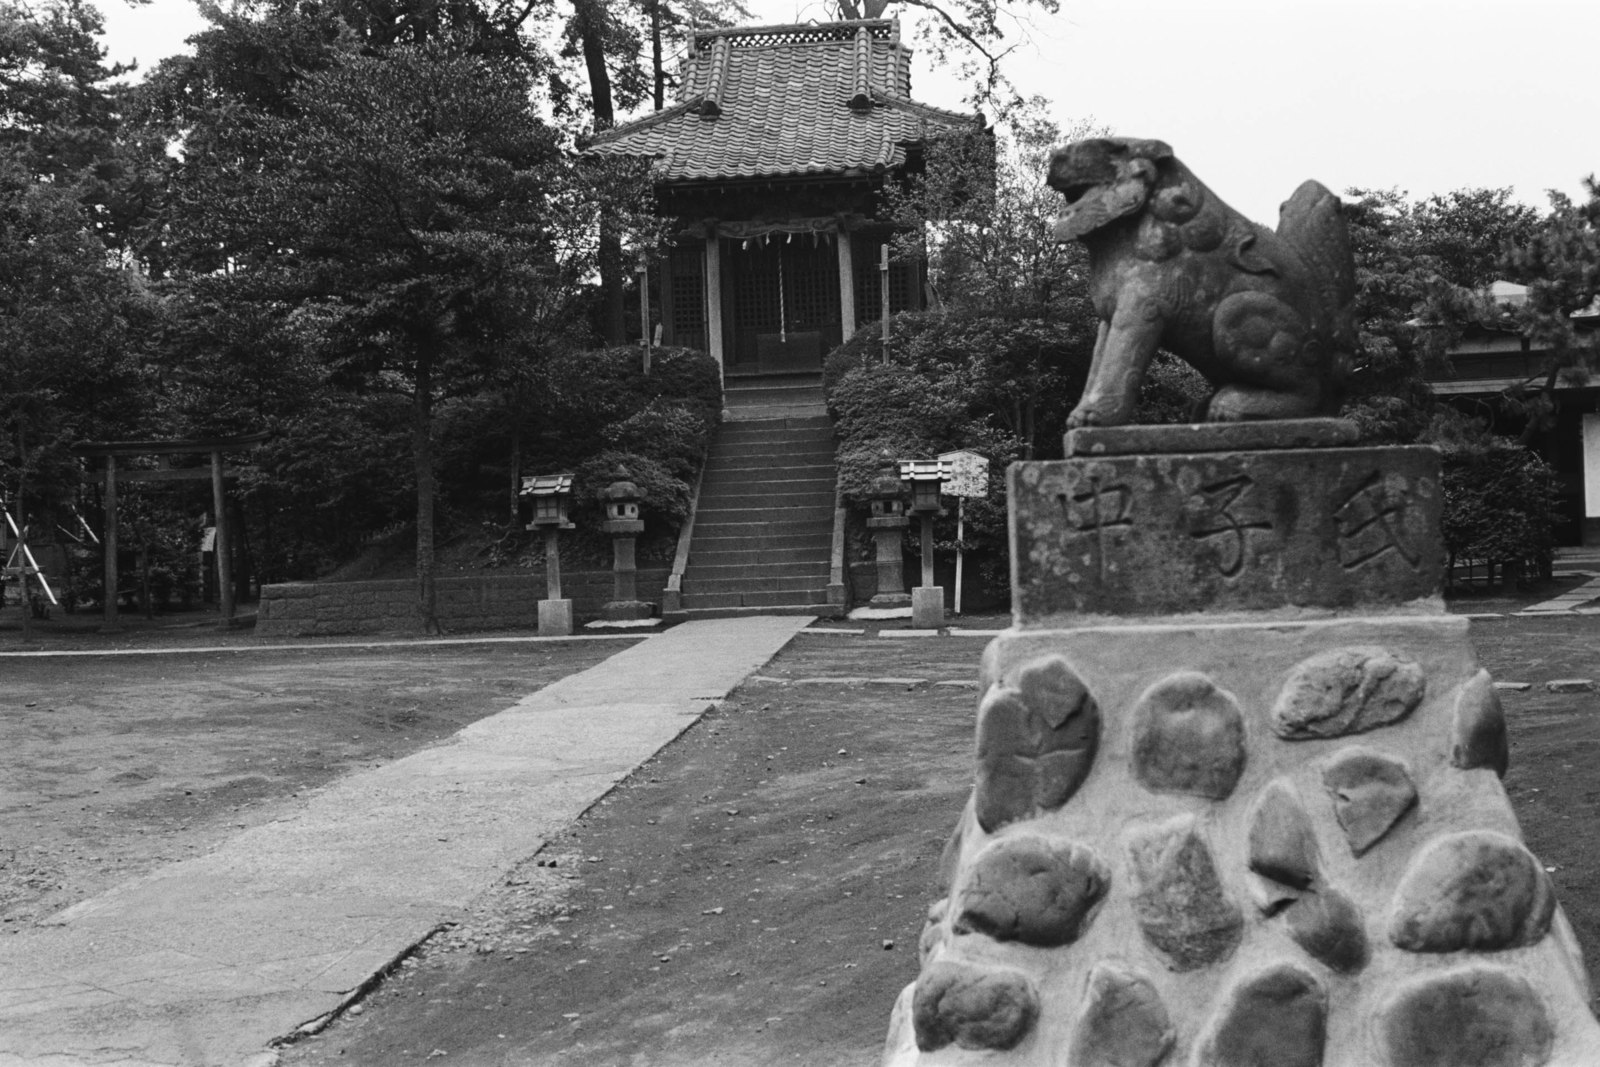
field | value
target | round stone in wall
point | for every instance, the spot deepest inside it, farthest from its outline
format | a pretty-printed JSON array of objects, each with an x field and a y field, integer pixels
[
  {"x": 1124, "y": 1022},
  {"x": 1188, "y": 737},
  {"x": 1329, "y": 927},
  {"x": 1277, "y": 1018},
  {"x": 1036, "y": 743},
  {"x": 1178, "y": 899},
  {"x": 972, "y": 1006},
  {"x": 1347, "y": 691},
  {"x": 1371, "y": 793},
  {"x": 1283, "y": 846},
  {"x": 1477, "y": 890},
  {"x": 1476, "y": 1017},
  {"x": 1030, "y": 889},
  {"x": 1480, "y": 728}
]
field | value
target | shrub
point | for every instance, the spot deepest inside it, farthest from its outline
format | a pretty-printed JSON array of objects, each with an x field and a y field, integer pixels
[
  {"x": 1499, "y": 505},
  {"x": 663, "y": 498},
  {"x": 576, "y": 395},
  {"x": 1500, "y": 498},
  {"x": 919, "y": 403},
  {"x": 671, "y": 432}
]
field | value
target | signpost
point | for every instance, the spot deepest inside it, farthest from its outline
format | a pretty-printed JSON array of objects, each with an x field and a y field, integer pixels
[{"x": 969, "y": 476}]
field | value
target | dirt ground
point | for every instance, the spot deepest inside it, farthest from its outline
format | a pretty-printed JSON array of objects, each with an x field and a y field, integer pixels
[
  {"x": 753, "y": 894},
  {"x": 115, "y": 765}
]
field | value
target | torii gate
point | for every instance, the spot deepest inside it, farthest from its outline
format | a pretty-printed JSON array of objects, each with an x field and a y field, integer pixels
[{"x": 216, "y": 446}]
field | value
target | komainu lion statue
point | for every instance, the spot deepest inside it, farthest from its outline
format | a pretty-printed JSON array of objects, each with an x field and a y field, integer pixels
[{"x": 1265, "y": 316}]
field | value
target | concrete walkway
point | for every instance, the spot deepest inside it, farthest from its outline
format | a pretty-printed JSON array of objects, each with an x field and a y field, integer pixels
[{"x": 203, "y": 963}]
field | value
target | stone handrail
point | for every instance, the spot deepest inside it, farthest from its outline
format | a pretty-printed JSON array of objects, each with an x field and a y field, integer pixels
[
  {"x": 836, "y": 587},
  {"x": 672, "y": 596}
]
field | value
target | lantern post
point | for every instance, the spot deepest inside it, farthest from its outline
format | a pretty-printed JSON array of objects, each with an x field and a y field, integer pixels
[
  {"x": 925, "y": 478},
  {"x": 888, "y": 523},
  {"x": 621, "y": 500},
  {"x": 550, "y": 495}
]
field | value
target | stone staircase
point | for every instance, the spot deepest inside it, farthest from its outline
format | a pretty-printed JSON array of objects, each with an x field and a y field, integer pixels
[{"x": 763, "y": 531}]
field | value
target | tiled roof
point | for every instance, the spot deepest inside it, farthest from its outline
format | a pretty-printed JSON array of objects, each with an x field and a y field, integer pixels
[{"x": 773, "y": 101}]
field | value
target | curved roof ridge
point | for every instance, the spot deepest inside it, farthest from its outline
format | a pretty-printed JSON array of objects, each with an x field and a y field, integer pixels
[{"x": 799, "y": 32}]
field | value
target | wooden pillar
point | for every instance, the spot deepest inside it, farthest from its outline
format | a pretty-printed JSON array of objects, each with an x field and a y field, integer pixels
[
  {"x": 883, "y": 290},
  {"x": 224, "y": 557},
  {"x": 714, "y": 300},
  {"x": 109, "y": 605},
  {"x": 847, "y": 287},
  {"x": 552, "y": 563}
]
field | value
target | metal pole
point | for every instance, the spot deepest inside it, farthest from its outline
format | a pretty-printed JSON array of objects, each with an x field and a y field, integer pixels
[
  {"x": 109, "y": 607},
  {"x": 961, "y": 531},
  {"x": 224, "y": 559}
]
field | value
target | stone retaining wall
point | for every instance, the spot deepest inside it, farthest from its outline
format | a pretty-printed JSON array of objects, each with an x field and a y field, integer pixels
[{"x": 480, "y": 602}]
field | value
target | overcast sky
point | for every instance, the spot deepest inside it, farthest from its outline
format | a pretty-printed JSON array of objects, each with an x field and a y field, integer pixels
[{"x": 1257, "y": 95}]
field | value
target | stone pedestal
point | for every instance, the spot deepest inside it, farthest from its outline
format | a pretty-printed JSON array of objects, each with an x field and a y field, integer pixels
[
  {"x": 888, "y": 533},
  {"x": 625, "y": 604},
  {"x": 927, "y": 606},
  {"x": 1238, "y": 792},
  {"x": 555, "y": 618}
]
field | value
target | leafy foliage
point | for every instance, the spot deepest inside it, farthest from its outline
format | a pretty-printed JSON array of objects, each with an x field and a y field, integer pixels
[
  {"x": 1560, "y": 260},
  {"x": 971, "y": 37},
  {"x": 1499, "y": 502},
  {"x": 417, "y": 210}
]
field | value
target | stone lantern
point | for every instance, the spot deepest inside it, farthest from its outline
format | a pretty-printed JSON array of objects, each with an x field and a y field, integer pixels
[
  {"x": 925, "y": 478},
  {"x": 550, "y": 495},
  {"x": 621, "y": 500},
  {"x": 888, "y": 523}
]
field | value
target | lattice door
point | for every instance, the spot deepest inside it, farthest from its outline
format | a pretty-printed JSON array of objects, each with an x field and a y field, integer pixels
[{"x": 686, "y": 312}]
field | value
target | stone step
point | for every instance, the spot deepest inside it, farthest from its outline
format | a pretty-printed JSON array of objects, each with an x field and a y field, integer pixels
[
  {"x": 745, "y": 389},
  {"x": 737, "y": 481},
  {"x": 817, "y": 460},
  {"x": 763, "y": 412},
  {"x": 789, "y": 516},
  {"x": 760, "y": 381},
  {"x": 790, "y": 397},
  {"x": 783, "y": 565},
  {"x": 791, "y": 426},
  {"x": 810, "y": 557},
  {"x": 767, "y": 498},
  {"x": 774, "y": 479},
  {"x": 755, "y": 584},
  {"x": 824, "y": 610},
  {"x": 692, "y": 601},
  {"x": 762, "y": 539}
]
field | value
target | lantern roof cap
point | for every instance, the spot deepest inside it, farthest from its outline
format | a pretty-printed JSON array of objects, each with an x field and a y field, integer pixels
[
  {"x": 546, "y": 484},
  {"x": 622, "y": 488},
  {"x": 925, "y": 470}
]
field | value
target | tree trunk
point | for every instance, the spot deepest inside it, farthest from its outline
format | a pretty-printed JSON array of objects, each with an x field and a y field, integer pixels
[
  {"x": 516, "y": 469},
  {"x": 422, "y": 456},
  {"x": 588, "y": 19},
  {"x": 613, "y": 313},
  {"x": 657, "y": 69}
]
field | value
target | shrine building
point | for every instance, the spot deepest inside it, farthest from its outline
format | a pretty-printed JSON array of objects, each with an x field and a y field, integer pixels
[
  {"x": 772, "y": 159},
  {"x": 772, "y": 163}
]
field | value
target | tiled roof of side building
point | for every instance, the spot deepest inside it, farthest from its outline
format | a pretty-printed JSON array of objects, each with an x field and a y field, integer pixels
[{"x": 775, "y": 101}]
